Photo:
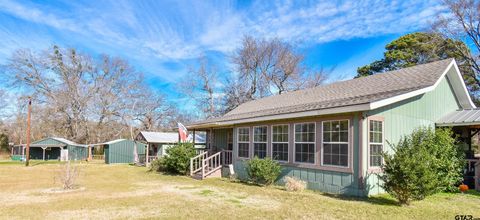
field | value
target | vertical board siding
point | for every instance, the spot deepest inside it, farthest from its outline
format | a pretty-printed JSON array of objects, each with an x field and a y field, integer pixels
[
  {"x": 404, "y": 117},
  {"x": 325, "y": 181},
  {"x": 122, "y": 151},
  {"x": 317, "y": 179},
  {"x": 220, "y": 138}
]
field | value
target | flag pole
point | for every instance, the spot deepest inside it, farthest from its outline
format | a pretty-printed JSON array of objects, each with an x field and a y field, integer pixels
[{"x": 27, "y": 161}]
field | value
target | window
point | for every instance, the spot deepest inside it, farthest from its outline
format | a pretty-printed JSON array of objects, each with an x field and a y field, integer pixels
[
  {"x": 305, "y": 143},
  {"x": 260, "y": 141},
  {"x": 230, "y": 140},
  {"x": 280, "y": 142},
  {"x": 335, "y": 143},
  {"x": 376, "y": 142},
  {"x": 243, "y": 142}
]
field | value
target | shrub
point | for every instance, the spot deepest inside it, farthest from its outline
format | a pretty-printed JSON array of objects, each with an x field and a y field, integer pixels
[
  {"x": 157, "y": 165},
  {"x": 178, "y": 157},
  {"x": 67, "y": 175},
  {"x": 424, "y": 162},
  {"x": 263, "y": 171},
  {"x": 294, "y": 184}
]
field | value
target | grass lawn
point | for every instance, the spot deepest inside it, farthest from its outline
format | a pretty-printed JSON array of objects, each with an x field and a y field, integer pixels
[{"x": 125, "y": 192}]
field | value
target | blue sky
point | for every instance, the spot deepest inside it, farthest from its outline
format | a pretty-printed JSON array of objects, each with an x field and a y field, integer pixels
[{"x": 164, "y": 39}]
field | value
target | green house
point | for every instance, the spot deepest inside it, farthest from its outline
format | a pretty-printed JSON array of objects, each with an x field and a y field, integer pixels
[
  {"x": 52, "y": 148},
  {"x": 331, "y": 136},
  {"x": 122, "y": 151}
]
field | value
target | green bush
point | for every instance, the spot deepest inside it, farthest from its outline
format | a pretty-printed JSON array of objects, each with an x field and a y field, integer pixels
[
  {"x": 424, "y": 162},
  {"x": 157, "y": 165},
  {"x": 263, "y": 171},
  {"x": 178, "y": 157}
]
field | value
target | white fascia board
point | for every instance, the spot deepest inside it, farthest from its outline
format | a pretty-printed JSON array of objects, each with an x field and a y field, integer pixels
[
  {"x": 345, "y": 109},
  {"x": 462, "y": 95}
]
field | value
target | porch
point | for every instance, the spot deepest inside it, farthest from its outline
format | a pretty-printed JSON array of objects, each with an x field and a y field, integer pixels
[
  {"x": 38, "y": 152},
  {"x": 218, "y": 153},
  {"x": 466, "y": 126}
]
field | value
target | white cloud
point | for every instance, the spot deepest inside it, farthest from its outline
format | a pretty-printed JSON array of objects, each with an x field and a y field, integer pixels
[{"x": 177, "y": 31}]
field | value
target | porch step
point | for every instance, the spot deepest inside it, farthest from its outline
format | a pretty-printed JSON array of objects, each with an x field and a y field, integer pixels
[{"x": 198, "y": 175}]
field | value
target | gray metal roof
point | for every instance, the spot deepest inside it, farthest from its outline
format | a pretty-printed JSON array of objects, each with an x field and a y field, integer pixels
[
  {"x": 170, "y": 137},
  {"x": 352, "y": 92},
  {"x": 461, "y": 117}
]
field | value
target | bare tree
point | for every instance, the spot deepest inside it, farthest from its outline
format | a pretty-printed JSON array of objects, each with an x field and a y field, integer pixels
[
  {"x": 268, "y": 67},
  {"x": 201, "y": 86},
  {"x": 78, "y": 97},
  {"x": 463, "y": 24}
]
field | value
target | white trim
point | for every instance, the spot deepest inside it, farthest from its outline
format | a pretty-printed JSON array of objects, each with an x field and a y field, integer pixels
[
  {"x": 369, "y": 143},
  {"x": 398, "y": 98},
  {"x": 243, "y": 142},
  {"x": 288, "y": 141},
  {"x": 254, "y": 142},
  {"x": 456, "y": 80},
  {"x": 314, "y": 143},
  {"x": 348, "y": 144},
  {"x": 469, "y": 101}
]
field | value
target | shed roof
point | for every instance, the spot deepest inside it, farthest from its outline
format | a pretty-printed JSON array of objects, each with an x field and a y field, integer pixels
[
  {"x": 461, "y": 118},
  {"x": 61, "y": 140},
  {"x": 358, "y": 94},
  {"x": 169, "y": 137}
]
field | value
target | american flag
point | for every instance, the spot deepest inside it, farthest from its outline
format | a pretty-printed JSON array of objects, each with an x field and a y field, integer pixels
[{"x": 182, "y": 131}]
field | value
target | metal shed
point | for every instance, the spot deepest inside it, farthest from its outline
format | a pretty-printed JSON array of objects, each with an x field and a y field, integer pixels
[
  {"x": 121, "y": 151},
  {"x": 51, "y": 149}
]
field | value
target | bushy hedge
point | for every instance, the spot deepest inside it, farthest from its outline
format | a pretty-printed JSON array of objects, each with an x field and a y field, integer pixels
[
  {"x": 424, "y": 162},
  {"x": 263, "y": 171},
  {"x": 178, "y": 157},
  {"x": 157, "y": 165}
]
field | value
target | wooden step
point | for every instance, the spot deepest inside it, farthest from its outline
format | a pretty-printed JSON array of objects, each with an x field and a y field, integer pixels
[{"x": 198, "y": 175}]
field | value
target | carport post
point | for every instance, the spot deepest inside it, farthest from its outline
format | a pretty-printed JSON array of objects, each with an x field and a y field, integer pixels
[{"x": 43, "y": 148}]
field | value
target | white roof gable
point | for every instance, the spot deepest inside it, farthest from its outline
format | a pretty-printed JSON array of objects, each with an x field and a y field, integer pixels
[{"x": 169, "y": 137}]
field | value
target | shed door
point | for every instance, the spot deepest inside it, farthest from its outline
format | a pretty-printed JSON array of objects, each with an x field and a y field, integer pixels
[{"x": 106, "y": 153}]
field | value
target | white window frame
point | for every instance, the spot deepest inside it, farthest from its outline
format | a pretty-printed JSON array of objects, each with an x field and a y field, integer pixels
[
  {"x": 288, "y": 142},
  {"x": 257, "y": 142},
  {"x": 348, "y": 144},
  {"x": 314, "y": 143},
  {"x": 375, "y": 143},
  {"x": 243, "y": 142}
]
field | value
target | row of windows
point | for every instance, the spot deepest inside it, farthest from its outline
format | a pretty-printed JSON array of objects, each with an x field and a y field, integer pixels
[{"x": 335, "y": 142}]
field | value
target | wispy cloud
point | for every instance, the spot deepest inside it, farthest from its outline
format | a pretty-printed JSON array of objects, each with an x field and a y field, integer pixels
[{"x": 182, "y": 30}]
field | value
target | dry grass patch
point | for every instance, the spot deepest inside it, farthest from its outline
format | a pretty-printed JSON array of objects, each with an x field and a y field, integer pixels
[{"x": 129, "y": 192}]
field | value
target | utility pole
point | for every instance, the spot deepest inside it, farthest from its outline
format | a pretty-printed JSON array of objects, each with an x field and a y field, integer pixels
[{"x": 28, "y": 131}]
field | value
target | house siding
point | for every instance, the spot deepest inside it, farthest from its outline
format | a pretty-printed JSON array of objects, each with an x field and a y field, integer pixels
[
  {"x": 403, "y": 117},
  {"x": 122, "y": 152},
  {"x": 220, "y": 139},
  {"x": 318, "y": 177}
]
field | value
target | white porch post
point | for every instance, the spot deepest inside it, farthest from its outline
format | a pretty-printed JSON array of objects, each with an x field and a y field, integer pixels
[
  {"x": 194, "y": 137},
  {"x": 146, "y": 155},
  {"x": 43, "y": 148}
]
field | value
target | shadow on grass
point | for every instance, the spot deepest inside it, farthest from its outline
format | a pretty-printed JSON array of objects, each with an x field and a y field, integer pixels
[
  {"x": 473, "y": 192},
  {"x": 376, "y": 200}
]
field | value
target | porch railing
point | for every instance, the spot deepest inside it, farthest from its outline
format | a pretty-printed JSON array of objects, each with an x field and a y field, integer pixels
[
  {"x": 227, "y": 157},
  {"x": 98, "y": 157},
  {"x": 196, "y": 163},
  {"x": 211, "y": 164},
  {"x": 206, "y": 165},
  {"x": 152, "y": 158}
]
